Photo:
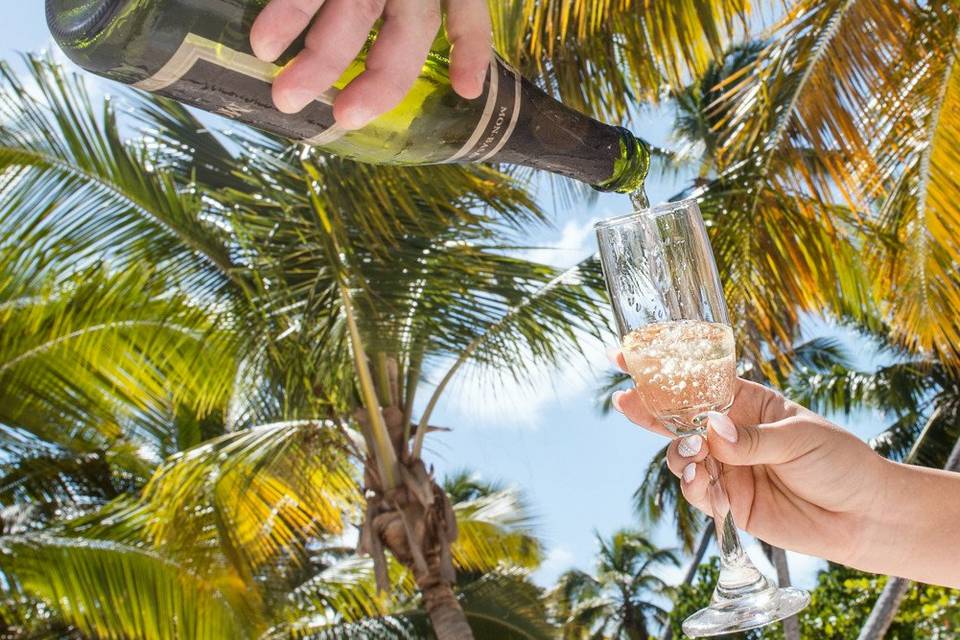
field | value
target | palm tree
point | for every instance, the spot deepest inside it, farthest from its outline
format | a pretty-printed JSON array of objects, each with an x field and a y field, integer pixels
[
  {"x": 335, "y": 289},
  {"x": 623, "y": 599}
]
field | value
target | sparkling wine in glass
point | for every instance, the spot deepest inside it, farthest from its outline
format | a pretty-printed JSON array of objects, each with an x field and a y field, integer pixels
[{"x": 679, "y": 348}]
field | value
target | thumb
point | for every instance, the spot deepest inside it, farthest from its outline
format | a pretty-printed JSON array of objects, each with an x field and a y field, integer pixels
[{"x": 744, "y": 445}]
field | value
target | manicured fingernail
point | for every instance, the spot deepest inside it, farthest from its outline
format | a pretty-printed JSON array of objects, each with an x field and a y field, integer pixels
[
  {"x": 294, "y": 101},
  {"x": 689, "y": 446},
  {"x": 613, "y": 353},
  {"x": 355, "y": 118},
  {"x": 615, "y": 400},
  {"x": 723, "y": 426},
  {"x": 689, "y": 472}
]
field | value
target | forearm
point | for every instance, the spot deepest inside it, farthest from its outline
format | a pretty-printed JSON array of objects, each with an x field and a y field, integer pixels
[{"x": 912, "y": 529}]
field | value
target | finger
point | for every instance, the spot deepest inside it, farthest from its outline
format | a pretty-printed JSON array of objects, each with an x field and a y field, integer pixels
[
  {"x": 683, "y": 451},
  {"x": 747, "y": 444},
  {"x": 695, "y": 484},
  {"x": 616, "y": 358},
  {"x": 279, "y": 24},
  {"x": 755, "y": 404},
  {"x": 393, "y": 63},
  {"x": 471, "y": 34},
  {"x": 337, "y": 35},
  {"x": 631, "y": 404}
]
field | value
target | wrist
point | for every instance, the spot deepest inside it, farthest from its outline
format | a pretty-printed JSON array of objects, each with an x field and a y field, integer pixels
[
  {"x": 875, "y": 543},
  {"x": 911, "y": 521}
]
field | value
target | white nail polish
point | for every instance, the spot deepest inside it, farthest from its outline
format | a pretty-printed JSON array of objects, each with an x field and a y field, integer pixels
[
  {"x": 615, "y": 400},
  {"x": 689, "y": 472},
  {"x": 690, "y": 446},
  {"x": 612, "y": 354}
]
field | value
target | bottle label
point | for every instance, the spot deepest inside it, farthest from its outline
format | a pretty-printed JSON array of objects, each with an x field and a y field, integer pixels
[
  {"x": 235, "y": 84},
  {"x": 210, "y": 76},
  {"x": 499, "y": 118}
]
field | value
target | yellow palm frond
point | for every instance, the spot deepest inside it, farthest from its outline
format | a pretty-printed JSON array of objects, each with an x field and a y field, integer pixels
[
  {"x": 810, "y": 90},
  {"x": 257, "y": 493},
  {"x": 601, "y": 55},
  {"x": 917, "y": 271}
]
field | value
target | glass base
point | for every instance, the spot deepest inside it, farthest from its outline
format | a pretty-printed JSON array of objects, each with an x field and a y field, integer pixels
[{"x": 760, "y": 607}]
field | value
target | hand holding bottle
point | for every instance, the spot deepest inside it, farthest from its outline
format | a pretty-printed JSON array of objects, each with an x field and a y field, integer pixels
[
  {"x": 338, "y": 29},
  {"x": 800, "y": 482}
]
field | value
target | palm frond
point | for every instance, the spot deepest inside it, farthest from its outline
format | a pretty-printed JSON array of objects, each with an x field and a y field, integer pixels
[
  {"x": 505, "y": 606},
  {"x": 917, "y": 153},
  {"x": 259, "y": 493},
  {"x": 495, "y": 530},
  {"x": 74, "y": 192},
  {"x": 108, "y": 590},
  {"x": 600, "y": 56},
  {"x": 97, "y": 355},
  {"x": 659, "y": 494}
]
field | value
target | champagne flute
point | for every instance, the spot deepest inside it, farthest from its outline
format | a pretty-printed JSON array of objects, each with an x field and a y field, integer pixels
[{"x": 679, "y": 348}]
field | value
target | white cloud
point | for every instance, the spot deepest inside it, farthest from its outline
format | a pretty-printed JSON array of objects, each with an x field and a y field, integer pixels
[
  {"x": 674, "y": 574},
  {"x": 804, "y": 569},
  {"x": 477, "y": 399},
  {"x": 558, "y": 560},
  {"x": 576, "y": 242}
]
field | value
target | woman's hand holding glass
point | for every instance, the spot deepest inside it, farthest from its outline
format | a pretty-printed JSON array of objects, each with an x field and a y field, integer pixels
[{"x": 797, "y": 481}]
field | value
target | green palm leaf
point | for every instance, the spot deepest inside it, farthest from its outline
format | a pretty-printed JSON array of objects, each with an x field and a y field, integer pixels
[
  {"x": 108, "y": 590},
  {"x": 100, "y": 355},
  {"x": 75, "y": 192},
  {"x": 505, "y": 606},
  {"x": 495, "y": 529}
]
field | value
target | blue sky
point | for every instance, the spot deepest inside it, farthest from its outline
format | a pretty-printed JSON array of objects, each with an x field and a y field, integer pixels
[{"x": 577, "y": 469}]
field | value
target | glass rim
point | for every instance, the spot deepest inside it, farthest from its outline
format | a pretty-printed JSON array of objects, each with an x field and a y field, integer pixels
[{"x": 640, "y": 214}]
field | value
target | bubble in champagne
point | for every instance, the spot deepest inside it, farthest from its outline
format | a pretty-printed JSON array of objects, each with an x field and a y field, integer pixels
[{"x": 682, "y": 369}]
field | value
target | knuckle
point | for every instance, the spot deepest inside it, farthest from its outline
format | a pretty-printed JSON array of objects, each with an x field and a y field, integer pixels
[{"x": 751, "y": 436}]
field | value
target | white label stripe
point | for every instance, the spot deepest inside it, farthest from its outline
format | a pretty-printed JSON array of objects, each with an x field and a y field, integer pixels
[
  {"x": 332, "y": 134},
  {"x": 513, "y": 119},
  {"x": 485, "y": 117},
  {"x": 195, "y": 48}
]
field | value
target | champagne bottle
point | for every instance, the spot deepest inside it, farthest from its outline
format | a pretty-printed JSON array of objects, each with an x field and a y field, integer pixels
[{"x": 198, "y": 52}]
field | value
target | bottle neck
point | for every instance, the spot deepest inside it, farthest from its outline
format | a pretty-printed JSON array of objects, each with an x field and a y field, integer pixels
[
  {"x": 545, "y": 134},
  {"x": 630, "y": 168}
]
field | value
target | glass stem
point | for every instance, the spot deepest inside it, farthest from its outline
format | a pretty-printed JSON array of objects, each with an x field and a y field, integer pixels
[{"x": 738, "y": 576}]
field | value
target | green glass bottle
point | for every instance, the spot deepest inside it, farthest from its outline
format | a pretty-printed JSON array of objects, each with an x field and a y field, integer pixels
[{"x": 198, "y": 52}]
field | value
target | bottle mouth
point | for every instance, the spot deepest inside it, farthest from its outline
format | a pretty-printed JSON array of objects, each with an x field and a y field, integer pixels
[
  {"x": 77, "y": 20},
  {"x": 631, "y": 167}
]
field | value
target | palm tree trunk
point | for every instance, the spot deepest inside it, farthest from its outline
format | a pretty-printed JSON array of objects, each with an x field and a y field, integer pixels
[
  {"x": 885, "y": 609},
  {"x": 791, "y": 625},
  {"x": 705, "y": 539},
  {"x": 446, "y": 615},
  {"x": 886, "y": 606},
  {"x": 416, "y": 523}
]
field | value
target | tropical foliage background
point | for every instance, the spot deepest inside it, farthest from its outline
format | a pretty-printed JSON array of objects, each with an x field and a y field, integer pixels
[{"x": 197, "y": 318}]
